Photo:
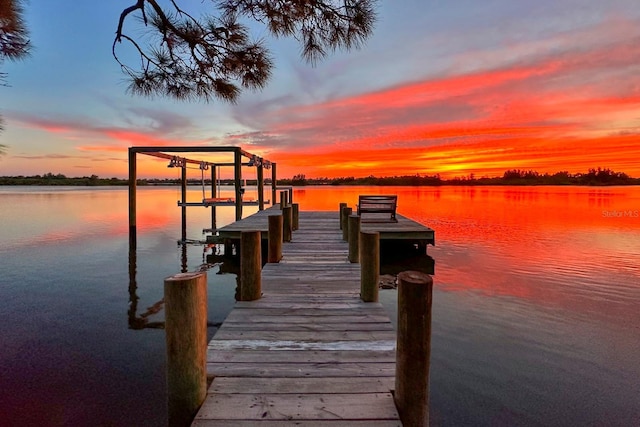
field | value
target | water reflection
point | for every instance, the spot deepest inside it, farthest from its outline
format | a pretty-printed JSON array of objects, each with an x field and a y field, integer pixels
[
  {"x": 535, "y": 302},
  {"x": 210, "y": 259}
]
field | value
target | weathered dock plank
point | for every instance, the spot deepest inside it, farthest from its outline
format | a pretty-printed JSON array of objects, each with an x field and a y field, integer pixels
[
  {"x": 309, "y": 352},
  {"x": 323, "y": 224},
  {"x": 307, "y": 406},
  {"x": 302, "y": 385}
]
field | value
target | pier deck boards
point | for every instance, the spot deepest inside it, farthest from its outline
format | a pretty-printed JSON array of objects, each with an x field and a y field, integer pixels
[
  {"x": 403, "y": 229},
  {"x": 309, "y": 352}
]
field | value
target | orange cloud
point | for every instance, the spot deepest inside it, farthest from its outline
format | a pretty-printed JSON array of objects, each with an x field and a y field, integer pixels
[{"x": 571, "y": 109}]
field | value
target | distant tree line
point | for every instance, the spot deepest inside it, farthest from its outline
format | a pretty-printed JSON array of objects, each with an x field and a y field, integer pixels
[
  {"x": 94, "y": 180},
  {"x": 60, "y": 179},
  {"x": 597, "y": 176}
]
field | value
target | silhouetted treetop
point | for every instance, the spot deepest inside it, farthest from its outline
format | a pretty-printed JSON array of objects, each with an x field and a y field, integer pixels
[
  {"x": 207, "y": 56},
  {"x": 14, "y": 40}
]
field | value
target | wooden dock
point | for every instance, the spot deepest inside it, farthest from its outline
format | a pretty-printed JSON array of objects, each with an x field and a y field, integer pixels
[
  {"x": 309, "y": 352},
  {"x": 404, "y": 230}
]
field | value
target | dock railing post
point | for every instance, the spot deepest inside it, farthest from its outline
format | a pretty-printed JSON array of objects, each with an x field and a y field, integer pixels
[
  {"x": 287, "y": 223},
  {"x": 296, "y": 216},
  {"x": 250, "y": 265},
  {"x": 283, "y": 199},
  {"x": 354, "y": 238},
  {"x": 413, "y": 347},
  {"x": 342, "y": 205},
  {"x": 346, "y": 211},
  {"x": 185, "y": 306},
  {"x": 274, "y": 253},
  {"x": 369, "y": 265}
]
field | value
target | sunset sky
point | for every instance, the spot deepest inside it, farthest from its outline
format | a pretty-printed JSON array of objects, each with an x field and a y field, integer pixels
[{"x": 454, "y": 88}]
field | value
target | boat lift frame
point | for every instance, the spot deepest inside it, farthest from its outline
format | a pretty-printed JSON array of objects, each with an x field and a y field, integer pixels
[{"x": 238, "y": 154}]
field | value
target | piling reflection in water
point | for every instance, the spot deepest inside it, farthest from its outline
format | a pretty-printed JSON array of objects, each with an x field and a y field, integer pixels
[{"x": 142, "y": 321}]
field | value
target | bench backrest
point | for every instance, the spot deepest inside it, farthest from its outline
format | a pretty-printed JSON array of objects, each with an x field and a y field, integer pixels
[{"x": 377, "y": 200}]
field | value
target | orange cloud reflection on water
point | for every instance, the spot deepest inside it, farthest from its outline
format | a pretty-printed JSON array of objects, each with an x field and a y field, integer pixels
[{"x": 532, "y": 243}]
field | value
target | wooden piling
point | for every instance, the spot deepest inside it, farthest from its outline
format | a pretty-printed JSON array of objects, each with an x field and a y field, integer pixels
[
  {"x": 213, "y": 195},
  {"x": 287, "y": 223},
  {"x": 369, "y": 265},
  {"x": 237, "y": 181},
  {"x": 342, "y": 205},
  {"x": 413, "y": 347},
  {"x": 274, "y": 253},
  {"x": 250, "y": 265},
  {"x": 274, "y": 183},
  {"x": 283, "y": 199},
  {"x": 354, "y": 238},
  {"x": 295, "y": 216},
  {"x": 183, "y": 197},
  {"x": 132, "y": 192},
  {"x": 346, "y": 211},
  {"x": 260, "y": 183},
  {"x": 185, "y": 306}
]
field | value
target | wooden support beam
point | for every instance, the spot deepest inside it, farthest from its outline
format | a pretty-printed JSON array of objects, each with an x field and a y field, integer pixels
[
  {"x": 346, "y": 211},
  {"x": 185, "y": 306},
  {"x": 342, "y": 205},
  {"x": 275, "y": 238},
  {"x": 354, "y": 238},
  {"x": 213, "y": 195},
  {"x": 295, "y": 223},
  {"x": 413, "y": 347},
  {"x": 369, "y": 265},
  {"x": 274, "y": 183},
  {"x": 132, "y": 193},
  {"x": 283, "y": 200},
  {"x": 237, "y": 180},
  {"x": 250, "y": 265},
  {"x": 287, "y": 227},
  {"x": 260, "y": 184},
  {"x": 183, "y": 187}
]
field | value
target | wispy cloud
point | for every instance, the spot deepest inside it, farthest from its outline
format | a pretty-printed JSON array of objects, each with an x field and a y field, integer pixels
[
  {"x": 153, "y": 128},
  {"x": 553, "y": 103}
]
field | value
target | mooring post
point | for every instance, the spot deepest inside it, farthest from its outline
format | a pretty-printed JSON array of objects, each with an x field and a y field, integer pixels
[
  {"x": 185, "y": 306},
  {"x": 213, "y": 195},
  {"x": 342, "y": 205},
  {"x": 250, "y": 265},
  {"x": 132, "y": 192},
  {"x": 354, "y": 238},
  {"x": 369, "y": 265},
  {"x": 260, "y": 184},
  {"x": 274, "y": 183},
  {"x": 413, "y": 347},
  {"x": 290, "y": 195},
  {"x": 296, "y": 216},
  {"x": 283, "y": 199},
  {"x": 274, "y": 253},
  {"x": 346, "y": 211},
  {"x": 237, "y": 181},
  {"x": 183, "y": 197},
  {"x": 287, "y": 223}
]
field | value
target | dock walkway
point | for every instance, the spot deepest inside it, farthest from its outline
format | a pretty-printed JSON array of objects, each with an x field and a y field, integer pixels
[{"x": 309, "y": 352}]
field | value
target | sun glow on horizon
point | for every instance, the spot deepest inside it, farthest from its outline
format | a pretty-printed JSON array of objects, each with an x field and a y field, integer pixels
[{"x": 568, "y": 101}]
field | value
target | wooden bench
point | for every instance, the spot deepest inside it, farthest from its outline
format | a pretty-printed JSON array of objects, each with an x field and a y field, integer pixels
[{"x": 378, "y": 204}]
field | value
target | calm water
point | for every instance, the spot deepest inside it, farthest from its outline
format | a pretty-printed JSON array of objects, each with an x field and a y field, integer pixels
[{"x": 536, "y": 316}]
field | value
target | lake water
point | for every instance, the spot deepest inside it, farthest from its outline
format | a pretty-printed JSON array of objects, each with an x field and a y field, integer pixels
[{"x": 536, "y": 314}]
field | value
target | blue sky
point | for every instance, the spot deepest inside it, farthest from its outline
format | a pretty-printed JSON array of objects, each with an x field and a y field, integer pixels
[{"x": 452, "y": 87}]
